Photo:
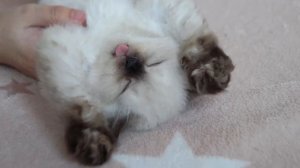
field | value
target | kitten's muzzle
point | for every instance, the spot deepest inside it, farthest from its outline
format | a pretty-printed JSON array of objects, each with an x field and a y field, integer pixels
[
  {"x": 134, "y": 67},
  {"x": 129, "y": 61}
]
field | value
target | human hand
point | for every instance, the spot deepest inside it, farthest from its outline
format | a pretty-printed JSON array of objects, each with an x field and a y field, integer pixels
[{"x": 21, "y": 28}]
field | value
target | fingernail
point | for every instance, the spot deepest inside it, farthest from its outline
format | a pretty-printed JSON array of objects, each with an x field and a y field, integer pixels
[{"x": 78, "y": 16}]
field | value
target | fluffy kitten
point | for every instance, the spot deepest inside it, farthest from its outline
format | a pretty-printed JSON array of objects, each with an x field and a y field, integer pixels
[{"x": 135, "y": 58}]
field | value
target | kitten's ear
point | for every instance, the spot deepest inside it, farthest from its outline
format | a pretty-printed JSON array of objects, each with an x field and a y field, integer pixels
[
  {"x": 206, "y": 64},
  {"x": 79, "y": 108},
  {"x": 208, "y": 42},
  {"x": 199, "y": 49}
]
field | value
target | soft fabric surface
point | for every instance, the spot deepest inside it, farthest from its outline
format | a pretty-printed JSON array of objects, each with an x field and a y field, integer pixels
[{"x": 255, "y": 123}]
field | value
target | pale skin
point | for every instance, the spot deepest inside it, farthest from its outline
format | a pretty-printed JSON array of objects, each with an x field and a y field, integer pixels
[{"x": 21, "y": 26}]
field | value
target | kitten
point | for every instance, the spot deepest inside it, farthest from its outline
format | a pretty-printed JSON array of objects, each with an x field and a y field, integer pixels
[{"x": 135, "y": 58}]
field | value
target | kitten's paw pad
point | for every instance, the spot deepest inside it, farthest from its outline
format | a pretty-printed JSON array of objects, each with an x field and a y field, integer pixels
[
  {"x": 207, "y": 66},
  {"x": 209, "y": 78},
  {"x": 91, "y": 146}
]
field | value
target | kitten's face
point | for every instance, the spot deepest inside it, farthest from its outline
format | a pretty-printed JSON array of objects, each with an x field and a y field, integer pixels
[{"x": 136, "y": 69}]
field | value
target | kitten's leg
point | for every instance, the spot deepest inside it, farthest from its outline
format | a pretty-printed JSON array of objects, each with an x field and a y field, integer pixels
[
  {"x": 88, "y": 137},
  {"x": 138, "y": 123},
  {"x": 207, "y": 66}
]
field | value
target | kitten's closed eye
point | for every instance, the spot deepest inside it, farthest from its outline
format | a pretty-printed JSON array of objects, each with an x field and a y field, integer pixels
[{"x": 155, "y": 64}]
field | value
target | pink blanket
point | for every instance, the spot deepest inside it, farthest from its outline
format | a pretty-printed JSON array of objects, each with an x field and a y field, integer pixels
[{"x": 255, "y": 123}]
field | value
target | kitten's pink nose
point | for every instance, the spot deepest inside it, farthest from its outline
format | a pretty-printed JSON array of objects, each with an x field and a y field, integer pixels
[{"x": 121, "y": 50}]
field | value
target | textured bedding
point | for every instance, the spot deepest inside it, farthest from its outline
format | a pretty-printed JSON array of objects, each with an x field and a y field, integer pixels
[{"x": 255, "y": 123}]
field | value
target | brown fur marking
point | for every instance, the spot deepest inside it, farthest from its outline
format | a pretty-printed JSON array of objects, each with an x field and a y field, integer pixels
[{"x": 90, "y": 145}]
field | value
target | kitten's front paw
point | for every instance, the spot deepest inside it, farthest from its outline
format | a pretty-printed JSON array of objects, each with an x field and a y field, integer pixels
[
  {"x": 208, "y": 68},
  {"x": 91, "y": 146}
]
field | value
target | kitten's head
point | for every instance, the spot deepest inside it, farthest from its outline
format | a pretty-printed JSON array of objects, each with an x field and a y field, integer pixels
[
  {"x": 138, "y": 73},
  {"x": 123, "y": 70}
]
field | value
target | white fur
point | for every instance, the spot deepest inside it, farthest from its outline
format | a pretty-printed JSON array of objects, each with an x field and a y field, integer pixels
[{"x": 76, "y": 65}]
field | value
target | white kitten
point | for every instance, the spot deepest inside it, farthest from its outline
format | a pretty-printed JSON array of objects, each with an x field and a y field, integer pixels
[{"x": 126, "y": 61}]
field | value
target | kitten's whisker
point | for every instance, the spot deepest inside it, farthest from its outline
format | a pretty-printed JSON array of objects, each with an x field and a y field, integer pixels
[{"x": 125, "y": 88}]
